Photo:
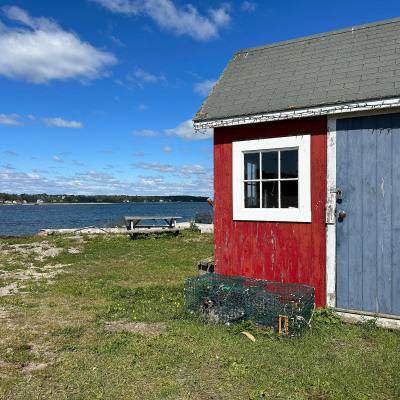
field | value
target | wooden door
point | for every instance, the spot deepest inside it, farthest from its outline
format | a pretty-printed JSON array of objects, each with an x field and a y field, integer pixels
[{"x": 368, "y": 232}]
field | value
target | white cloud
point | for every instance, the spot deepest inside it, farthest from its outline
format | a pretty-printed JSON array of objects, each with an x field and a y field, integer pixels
[
  {"x": 10, "y": 119},
  {"x": 138, "y": 153},
  {"x": 141, "y": 77},
  {"x": 195, "y": 169},
  {"x": 151, "y": 180},
  {"x": 204, "y": 87},
  {"x": 248, "y": 6},
  {"x": 58, "y": 159},
  {"x": 167, "y": 149},
  {"x": 144, "y": 76},
  {"x": 184, "y": 20},
  {"x": 155, "y": 167},
  {"x": 145, "y": 132},
  {"x": 38, "y": 50},
  {"x": 186, "y": 131},
  {"x": 94, "y": 182},
  {"x": 19, "y": 120},
  {"x": 62, "y": 123},
  {"x": 120, "y": 6},
  {"x": 142, "y": 107}
]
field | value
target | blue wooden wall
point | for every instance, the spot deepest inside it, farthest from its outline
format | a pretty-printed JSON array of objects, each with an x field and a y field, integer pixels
[{"x": 368, "y": 239}]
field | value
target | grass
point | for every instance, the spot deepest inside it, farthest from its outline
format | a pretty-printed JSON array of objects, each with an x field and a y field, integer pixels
[{"x": 54, "y": 343}]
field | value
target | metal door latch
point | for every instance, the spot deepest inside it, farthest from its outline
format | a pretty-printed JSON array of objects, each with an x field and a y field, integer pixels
[
  {"x": 342, "y": 215},
  {"x": 339, "y": 193}
]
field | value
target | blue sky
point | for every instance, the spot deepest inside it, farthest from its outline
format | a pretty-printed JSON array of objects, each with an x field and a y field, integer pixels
[{"x": 96, "y": 96}]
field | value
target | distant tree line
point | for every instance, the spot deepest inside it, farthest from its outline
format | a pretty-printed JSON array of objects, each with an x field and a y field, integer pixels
[{"x": 70, "y": 198}]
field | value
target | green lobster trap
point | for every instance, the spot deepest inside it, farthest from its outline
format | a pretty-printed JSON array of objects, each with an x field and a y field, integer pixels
[{"x": 231, "y": 299}]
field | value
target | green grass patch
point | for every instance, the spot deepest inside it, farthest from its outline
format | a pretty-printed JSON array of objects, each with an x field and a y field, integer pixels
[
  {"x": 63, "y": 324},
  {"x": 19, "y": 354}
]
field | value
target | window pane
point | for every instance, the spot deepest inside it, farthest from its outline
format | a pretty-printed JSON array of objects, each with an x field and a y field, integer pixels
[
  {"x": 270, "y": 165},
  {"x": 252, "y": 194},
  {"x": 270, "y": 194},
  {"x": 289, "y": 164},
  {"x": 252, "y": 166},
  {"x": 289, "y": 194}
]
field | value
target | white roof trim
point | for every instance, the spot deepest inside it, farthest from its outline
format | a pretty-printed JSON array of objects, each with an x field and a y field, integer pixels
[{"x": 301, "y": 113}]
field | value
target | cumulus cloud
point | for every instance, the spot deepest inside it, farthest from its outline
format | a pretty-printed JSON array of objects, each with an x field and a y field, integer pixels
[
  {"x": 186, "y": 131},
  {"x": 155, "y": 167},
  {"x": 10, "y": 119},
  {"x": 181, "y": 20},
  {"x": 248, "y": 6},
  {"x": 145, "y": 132},
  {"x": 151, "y": 180},
  {"x": 62, "y": 123},
  {"x": 94, "y": 182},
  {"x": 20, "y": 120},
  {"x": 204, "y": 87},
  {"x": 195, "y": 169},
  {"x": 38, "y": 50}
]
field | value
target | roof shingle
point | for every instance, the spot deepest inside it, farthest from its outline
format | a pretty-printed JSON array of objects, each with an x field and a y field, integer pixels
[{"x": 355, "y": 64}]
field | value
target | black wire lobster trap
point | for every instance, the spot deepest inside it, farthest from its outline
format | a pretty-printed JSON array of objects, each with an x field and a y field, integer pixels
[{"x": 287, "y": 307}]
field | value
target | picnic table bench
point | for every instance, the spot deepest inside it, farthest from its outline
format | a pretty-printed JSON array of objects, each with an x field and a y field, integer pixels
[{"x": 134, "y": 226}]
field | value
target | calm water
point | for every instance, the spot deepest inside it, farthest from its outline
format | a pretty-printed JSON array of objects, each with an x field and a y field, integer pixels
[{"x": 23, "y": 220}]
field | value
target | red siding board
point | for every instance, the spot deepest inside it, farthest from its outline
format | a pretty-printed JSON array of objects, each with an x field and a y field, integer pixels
[{"x": 287, "y": 252}]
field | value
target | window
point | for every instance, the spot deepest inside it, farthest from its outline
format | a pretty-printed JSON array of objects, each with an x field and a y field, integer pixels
[{"x": 271, "y": 179}]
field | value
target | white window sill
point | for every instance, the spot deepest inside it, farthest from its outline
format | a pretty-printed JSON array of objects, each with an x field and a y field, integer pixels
[{"x": 271, "y": 215}]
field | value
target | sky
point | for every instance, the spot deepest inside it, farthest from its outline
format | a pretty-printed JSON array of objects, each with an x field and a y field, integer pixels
[{"x": 97, "y": 96}]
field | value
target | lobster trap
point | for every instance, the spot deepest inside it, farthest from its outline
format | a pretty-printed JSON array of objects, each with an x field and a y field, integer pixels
[{"x": 231, "y": 299}]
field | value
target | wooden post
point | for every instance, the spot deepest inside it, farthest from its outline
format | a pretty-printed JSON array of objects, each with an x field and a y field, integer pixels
[{"x": 285, "y": 320}]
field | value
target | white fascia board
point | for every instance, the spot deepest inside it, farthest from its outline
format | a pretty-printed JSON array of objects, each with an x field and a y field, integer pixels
[{"x": 302, "y": 113}]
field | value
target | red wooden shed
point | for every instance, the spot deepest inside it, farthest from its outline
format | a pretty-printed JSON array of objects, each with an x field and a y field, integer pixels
[{"x": 306, "y": 166}]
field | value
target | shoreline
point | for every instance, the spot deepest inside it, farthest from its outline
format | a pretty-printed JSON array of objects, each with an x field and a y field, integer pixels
[
  {"x": 54, "y": 204},
  {"x": 76, "y": 204}
]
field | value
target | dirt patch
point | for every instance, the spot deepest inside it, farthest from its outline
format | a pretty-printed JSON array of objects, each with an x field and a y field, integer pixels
[
  {"x": 73, "y": 250},
  {"x": 31, "y": 273},
  {"x": 12, "y": 288},
  {"x": 142, "y": 328},
  {"x": 33, "y": 367},
  {"x": 4, "y": 314},
  {"x": 40, "y": 250},
  {"x": 77, "y": 238}
]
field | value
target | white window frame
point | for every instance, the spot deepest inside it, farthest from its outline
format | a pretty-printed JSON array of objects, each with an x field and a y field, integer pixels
[{"x": 300, "y": 214}]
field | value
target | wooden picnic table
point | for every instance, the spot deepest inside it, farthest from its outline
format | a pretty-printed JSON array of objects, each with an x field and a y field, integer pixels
[{"x": 133, "y": 224}]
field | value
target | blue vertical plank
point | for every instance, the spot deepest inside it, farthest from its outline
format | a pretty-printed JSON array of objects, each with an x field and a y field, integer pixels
[
  {"x": 395, "y": 283},
  {"x": 369, "y": 215},
  {"x": 384, "y": 213},
  {"x": 342, "y": 264},
  {"x": 353, "y": 192},
  {"x": 368, "y": 240}
]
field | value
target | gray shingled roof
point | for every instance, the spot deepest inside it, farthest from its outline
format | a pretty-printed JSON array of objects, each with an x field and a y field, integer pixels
[{"x": 355, "y": 64}]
